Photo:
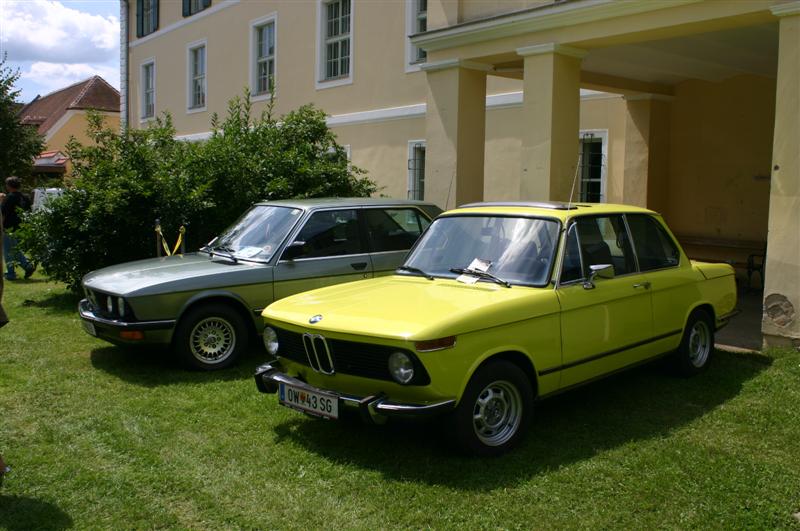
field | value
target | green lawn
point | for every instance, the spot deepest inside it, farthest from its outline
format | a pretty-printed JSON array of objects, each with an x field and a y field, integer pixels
[{"x": 101, "y": 437}]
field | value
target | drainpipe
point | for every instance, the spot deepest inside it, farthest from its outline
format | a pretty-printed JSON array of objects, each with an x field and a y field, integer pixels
[{"x": 123, "y": 64}]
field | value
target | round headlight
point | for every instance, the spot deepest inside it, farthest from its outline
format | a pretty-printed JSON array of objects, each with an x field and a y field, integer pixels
[
  {"x": 270, "y": 341},
  {"x": 121, "y": 306},
  {"x": 110, "y": 304},
  {"x": 401, "y": 367}
]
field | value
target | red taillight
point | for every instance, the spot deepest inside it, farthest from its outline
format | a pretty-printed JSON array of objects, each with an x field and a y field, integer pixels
[
  {"x": 435, "y": 344},
  {"x": 134, "y": 335}
]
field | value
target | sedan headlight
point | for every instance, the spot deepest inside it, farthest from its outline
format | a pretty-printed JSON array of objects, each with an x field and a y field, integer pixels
[
  {"x": 110, "y": 304},
  {"x": 401, "y": 367},
  {"x": 270, "y": 341},
  {"x": 121, "y": 306}
]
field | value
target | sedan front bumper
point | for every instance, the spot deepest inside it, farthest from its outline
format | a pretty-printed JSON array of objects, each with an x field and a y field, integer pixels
[
  {"x": 123, "y": 332},
  {"x": 372, "y": 408}
]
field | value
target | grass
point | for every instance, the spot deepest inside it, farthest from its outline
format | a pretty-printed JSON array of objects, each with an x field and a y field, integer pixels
[{"x": 103, "y": 437}]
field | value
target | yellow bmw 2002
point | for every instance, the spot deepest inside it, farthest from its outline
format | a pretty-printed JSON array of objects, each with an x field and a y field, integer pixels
[{"x": 498, "y": 305}]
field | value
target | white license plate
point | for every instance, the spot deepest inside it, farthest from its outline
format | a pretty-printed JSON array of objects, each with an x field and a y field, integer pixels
[
  {"x": 320, "y": 404},
  {"x": 89, "y": 327}
]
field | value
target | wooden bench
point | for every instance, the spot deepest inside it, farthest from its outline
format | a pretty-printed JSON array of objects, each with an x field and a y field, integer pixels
[{"x": 755, "y": 251}]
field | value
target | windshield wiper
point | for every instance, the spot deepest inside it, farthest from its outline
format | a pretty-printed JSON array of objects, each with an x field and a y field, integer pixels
[
  {"x": 480, "y": 274},
  {"x": 417, "y": 270},
  {"x": 227, "y": 252}
]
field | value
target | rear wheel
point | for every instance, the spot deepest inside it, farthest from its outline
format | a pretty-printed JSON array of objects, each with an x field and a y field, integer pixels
[
  {"x": 697, "y": 344},
  {"x": 494, "y": 411},
  {"x": 211, "y": 337}
]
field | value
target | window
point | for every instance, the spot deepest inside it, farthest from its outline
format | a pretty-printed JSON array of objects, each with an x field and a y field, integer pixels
[
  {"x": 190, "y": 7},
  {"x": 572, "y": 267},
  {"x": 604, "y": 240},
  {"x": 148, "y": 90},
  {"x": 416, "y": 169},
  {"x": 419, "y": 25},
  {"x": 654, "y": 248},
  {"x": 146, "y": 17},
  {"x": 330, "y": 233},
  {"x": 263, "y": 56},
  {"x": 336, "y": 32},
  {"x": 394, "y": 229},
  {"x": 197, "y": 77},
  {"x": 592, "y": 169}
]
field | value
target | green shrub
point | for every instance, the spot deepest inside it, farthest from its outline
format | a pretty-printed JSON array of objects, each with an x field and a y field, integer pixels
[{"x": 125, "y": 181}]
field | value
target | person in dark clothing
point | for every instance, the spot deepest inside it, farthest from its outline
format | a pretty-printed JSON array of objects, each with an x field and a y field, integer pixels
[
  {"x": 13, "y": 204},
  {"x": 3, "y": 316}
]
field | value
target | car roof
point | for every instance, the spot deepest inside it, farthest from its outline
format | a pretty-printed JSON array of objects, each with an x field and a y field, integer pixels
[
  {"x": 324, "y": 202},
  {"x": 548, "y": 209}
]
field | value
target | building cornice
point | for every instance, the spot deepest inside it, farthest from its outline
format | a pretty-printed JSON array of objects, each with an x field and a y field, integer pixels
[
  {"x": 537, "y": 19},
  {"x": 223, "y": 4},
  {"x": 554, "y": 48},
  {"x": 454, "y": 63},
  {"x": 786, "y": 10}
]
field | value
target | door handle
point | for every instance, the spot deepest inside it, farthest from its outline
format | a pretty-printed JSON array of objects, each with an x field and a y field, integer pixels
[
  {"x": 645, "y": 285},
  {"x": 359, "y": 266}
]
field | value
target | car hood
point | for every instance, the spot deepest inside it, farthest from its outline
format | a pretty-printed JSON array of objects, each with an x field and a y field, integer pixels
[
  {"x": 174, "y": 273},
  {"x": 411, "y": 308}
]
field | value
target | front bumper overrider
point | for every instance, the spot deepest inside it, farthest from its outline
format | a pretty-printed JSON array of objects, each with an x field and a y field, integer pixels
[{"x": 374, "y": 407}]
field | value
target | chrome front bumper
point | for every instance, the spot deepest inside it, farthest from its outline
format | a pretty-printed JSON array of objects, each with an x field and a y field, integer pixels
[{"x": 372, "y": 408}]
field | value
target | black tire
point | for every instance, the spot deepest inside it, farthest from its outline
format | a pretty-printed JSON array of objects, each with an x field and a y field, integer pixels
[
  {"x": 211, "y": 337},
  {"x": 495, "y": 411},
  {"x": 697, "y": 344}
]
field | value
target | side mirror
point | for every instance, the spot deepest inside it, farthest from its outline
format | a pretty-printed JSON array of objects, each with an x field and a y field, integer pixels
[
  {"x": 598, "y": 271},
  {"x": 293, "y": 250}
]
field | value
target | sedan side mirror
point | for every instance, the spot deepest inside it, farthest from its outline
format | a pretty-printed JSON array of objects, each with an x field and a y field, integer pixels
[
  {"x": 598, "y": 271},
  {"x": 293, "y": 250}
]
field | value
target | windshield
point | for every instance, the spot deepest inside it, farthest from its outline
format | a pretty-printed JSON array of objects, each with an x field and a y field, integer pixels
[
  {"x": 258, "y": 233},
  {"x": 517, "y": 250}
]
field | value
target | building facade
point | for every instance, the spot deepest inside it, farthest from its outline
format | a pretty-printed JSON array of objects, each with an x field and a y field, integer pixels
[{"x": 689, "y": 107}]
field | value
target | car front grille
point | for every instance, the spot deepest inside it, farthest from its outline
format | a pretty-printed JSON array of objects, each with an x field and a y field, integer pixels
[{"x": 366, "y": 360}]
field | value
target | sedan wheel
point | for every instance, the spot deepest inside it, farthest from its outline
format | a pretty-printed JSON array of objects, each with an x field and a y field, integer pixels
[
  {"x": 697, "y": 344},
  {"x": 211, "y": 336},
  {"x": 212, "y": 340},
  {"x": 497, "y": 413}
]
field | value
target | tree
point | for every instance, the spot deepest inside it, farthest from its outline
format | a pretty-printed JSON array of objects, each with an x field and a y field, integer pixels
[
  {"x": 124, "y": 181},
  {"x": 19, "y": 144}
]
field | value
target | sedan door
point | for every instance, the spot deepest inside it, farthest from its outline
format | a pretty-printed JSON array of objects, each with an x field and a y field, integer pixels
[
  {"x": 332, "y": 252},
  {"x": 603, "y": 324},
  {"x": 392, "y": 232}
]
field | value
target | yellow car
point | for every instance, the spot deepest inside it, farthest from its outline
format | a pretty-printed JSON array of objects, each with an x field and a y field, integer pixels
[{"x": 498, "y": 305}]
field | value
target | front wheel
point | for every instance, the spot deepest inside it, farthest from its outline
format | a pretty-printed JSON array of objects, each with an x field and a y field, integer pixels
[
  {"x": 696, "y": 346},
  {"x": 494, "y": 411},
  {"x": 211, "y": 337}
]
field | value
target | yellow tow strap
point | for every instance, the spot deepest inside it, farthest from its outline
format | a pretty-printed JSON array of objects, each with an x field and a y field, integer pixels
[{"x": 181, "y": 232}]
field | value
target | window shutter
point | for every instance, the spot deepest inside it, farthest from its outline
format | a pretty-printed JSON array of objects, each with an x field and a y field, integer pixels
[
  {"x": 206, "y": 3},
  {"x": 155, "y": 14},
  {"x": 139, "y": 19},
  {"x": 187, "y": 8}
]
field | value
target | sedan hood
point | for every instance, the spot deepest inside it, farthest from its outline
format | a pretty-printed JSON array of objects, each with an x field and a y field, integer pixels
[
  {"x": 411, "y": 308},
  {"x": 174, "y": 273}
]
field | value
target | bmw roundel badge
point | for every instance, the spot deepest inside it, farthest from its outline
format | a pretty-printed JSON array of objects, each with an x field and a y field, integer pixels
[{"x": 314, "y": 320}]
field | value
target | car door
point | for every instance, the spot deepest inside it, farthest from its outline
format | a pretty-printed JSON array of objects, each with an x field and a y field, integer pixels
[
  {"x": 333, "y": 251},
  {"x": 603, "y": 322},
  {"x": 673, "y": 287},
  {"x": 392, "y": 232}
]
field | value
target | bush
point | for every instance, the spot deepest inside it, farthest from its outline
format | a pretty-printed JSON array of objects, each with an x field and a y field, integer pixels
[{"x": 125, "y": 181}]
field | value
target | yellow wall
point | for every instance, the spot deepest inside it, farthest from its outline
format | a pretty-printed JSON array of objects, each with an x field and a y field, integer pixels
[
  {"x": 76, "y": 126},
  {"x": 477, "y": 9},
  {"x": 720, "y": 158}
]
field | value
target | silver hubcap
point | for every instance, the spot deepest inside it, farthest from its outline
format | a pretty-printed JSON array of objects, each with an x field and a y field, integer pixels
[
  {"x": 699, "y": 344},
  {"x": 212, "y": 340},
  {"x": 497, "y": 413}
]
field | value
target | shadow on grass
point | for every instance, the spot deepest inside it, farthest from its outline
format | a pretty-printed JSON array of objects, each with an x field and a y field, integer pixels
[
  {"x": 636, "y": 405},
  {"x": 57, "y": 303},
  {"x": 21, "y": 513},
  {"x": 153, "y": 367}
]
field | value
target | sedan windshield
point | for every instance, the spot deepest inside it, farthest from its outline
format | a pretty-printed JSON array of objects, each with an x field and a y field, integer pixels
[
  {"x": 514, "y": 250},
  {"x": 257, "y": 234}
]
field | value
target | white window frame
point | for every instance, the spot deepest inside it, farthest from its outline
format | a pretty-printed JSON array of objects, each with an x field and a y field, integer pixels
[
  {"x": 412, "y": 64},
  {"x": 602, "y": 134},
  {"x": 142, "y": 90},
  {"x": 411, "y": 175},
  {"x": 255, "y": 24},
  {"x": 319, "y": 78},
  {"x": 189, "y": 76}
]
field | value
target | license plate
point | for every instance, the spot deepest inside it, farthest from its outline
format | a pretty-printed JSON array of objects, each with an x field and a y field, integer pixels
[
  {"x": 320, "y": 404},
  {"x": 89, "y": 327}
]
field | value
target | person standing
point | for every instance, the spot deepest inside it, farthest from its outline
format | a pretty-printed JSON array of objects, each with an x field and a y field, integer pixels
[{"x": 12, "y": 205}]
